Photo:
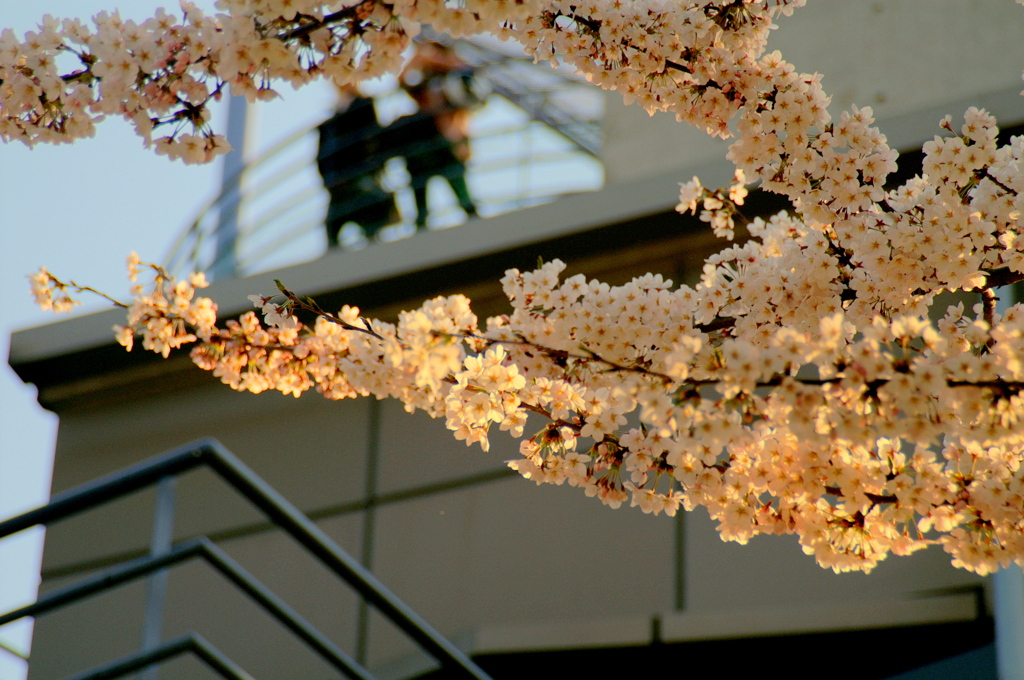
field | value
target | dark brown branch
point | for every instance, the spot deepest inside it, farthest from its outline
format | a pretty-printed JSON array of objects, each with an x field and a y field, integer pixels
[
  {"x": 988, "y": 303},
  {"x": 775, "y": 381},
  {"x": 561, "y": 353},
  {"x": 560, "y": 422},
  {"x": 985, "y": 174},
  {"x": 677, "y": 66},
  {"x": 877, "y": 499},
  {"x": 717, "y": 324},
  {"x": 329, "y": 20},
  {"x": 592, "y": 24},
  {"x": 1004, "y": 276},
  {"x": 310, "y": 305}
]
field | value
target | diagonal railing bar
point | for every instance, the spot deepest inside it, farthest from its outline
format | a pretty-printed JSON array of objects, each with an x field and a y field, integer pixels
[
  {"x": 321, "y": 513},
  {"x": 185, "y": 644},
  {"x": 12, "y": 651},
  {"x": 206, "y": 550},
  {"x": 109, "y": 488},
  {"x": 212, "y": 454},
  {"x": 495, "y": 67}
]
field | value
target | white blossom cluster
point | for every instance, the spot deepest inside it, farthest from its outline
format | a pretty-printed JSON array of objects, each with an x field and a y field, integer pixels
[
  {"x": 697, "y": 59},
  {"x": 50, "y": 293},
  {"x": 800, "y": 387}
]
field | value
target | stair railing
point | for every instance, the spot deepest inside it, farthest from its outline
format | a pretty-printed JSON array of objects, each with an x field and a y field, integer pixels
[{"x": 210, "y": 454}]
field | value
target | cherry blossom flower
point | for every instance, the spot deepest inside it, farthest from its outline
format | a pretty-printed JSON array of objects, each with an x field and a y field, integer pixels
[{"x": 800, "y": 387}]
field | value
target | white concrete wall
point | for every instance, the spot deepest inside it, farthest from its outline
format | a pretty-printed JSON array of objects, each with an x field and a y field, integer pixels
[{"x": 896, "y": 56}]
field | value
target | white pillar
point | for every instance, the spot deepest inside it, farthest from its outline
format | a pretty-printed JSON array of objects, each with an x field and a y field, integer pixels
[
  {"x": 1008, "y": 591},
  {"x": 225, "y": 261}
]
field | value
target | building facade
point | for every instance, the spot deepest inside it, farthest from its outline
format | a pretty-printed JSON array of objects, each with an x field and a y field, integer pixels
[{"x": 515, "y": 574}]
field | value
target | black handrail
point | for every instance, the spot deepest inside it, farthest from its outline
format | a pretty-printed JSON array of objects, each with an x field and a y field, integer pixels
[
  {"x": 193, "y": 642},
  {"x": 212, "y": 454},
  {"x": 206, "y": 550}
]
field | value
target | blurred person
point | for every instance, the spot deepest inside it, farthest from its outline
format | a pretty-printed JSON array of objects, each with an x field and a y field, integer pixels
[
  {"x": 350, "y": 159},
  {"x": 434, "y": 141}
]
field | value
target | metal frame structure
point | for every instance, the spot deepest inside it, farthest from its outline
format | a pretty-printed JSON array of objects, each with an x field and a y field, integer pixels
[{"x": 160, "y": 471}]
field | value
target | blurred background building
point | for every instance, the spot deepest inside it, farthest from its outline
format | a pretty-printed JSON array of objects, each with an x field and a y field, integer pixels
[{"x": 520, "y": 577}]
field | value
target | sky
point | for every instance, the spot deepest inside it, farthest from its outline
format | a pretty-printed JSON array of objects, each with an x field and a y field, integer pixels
[{"x": 79, "y": 210}]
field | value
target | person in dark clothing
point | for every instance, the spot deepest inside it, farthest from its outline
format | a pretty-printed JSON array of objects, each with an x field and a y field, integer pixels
[
  {"x": 434, "y": 141},
  {"x": 354, "y": 148},
  {"x": 350, "y": 159}
]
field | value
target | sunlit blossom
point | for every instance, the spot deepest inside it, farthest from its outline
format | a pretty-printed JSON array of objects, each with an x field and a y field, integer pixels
[{"x": 800, "y": 387}]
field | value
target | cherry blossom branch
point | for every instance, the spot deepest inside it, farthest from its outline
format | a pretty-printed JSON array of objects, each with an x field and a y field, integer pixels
[
  {"x": 842, "y": 285},
  {"x": 51, "y": 293},
  {"x": 1006, "y": 386},
  {"x": 989, "y": 300},
  {"x": 309, "y": 304},
  {"x": 312, "y": 24},
  {"x": 984, "y": 173},
  {"x": 559, "y": 353},
  {"x": 1003, "y": 276}
]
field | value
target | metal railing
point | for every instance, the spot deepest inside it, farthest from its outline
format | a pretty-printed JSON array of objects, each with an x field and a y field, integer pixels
[
  {"x": 211, "y": 454},
  {"x": 546, "y": 146}
]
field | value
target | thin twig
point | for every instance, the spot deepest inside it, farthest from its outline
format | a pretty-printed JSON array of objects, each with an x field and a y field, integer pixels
[
  {"x": 86, "y": 289},
  {"x": 985, "y": 174},
  {"x": 310, "y": 305},
  {"x": 561, "y": 353}
]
